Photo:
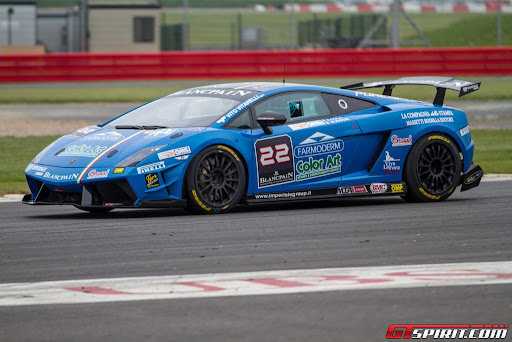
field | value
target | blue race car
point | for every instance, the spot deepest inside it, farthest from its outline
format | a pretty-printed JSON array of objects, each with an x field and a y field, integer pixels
[{"x": 213, "y": 147}]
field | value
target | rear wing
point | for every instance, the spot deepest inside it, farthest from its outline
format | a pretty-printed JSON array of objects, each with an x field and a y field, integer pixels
[{"x": 441, "y": 83}]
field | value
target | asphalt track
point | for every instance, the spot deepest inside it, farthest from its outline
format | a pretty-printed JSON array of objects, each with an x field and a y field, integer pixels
[{"x": 46, "y": 243}]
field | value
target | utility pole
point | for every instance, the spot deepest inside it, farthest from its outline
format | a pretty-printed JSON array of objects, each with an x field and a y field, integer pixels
[
  {"x": 83, "y": 26},
  {"x": 395, "y": 33},
  {"x": 499, "y": 22},
  {"x": 10, "y": 12},
  {"x": 292, "y": 26},
  {"x": 186, "y": 45}
]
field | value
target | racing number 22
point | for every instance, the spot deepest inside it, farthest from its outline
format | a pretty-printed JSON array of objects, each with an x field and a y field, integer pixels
[{"x": 267, "y": 154}]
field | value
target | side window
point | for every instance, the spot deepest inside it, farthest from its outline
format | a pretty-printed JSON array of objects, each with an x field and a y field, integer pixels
[
  {"x": 341, "y": 104},
  {"x": 295, "y": 106},
  {"x": 143, "y": 29},
  {"x": 241, "y": 121}
]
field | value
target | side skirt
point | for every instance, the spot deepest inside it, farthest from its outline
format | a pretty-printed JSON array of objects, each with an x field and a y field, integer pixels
[{"x": 373, "y": 189}]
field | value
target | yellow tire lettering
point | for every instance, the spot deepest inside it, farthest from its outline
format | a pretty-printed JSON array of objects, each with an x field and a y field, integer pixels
[
  {"x": 427, "y": 195},
  {"x": 438, "y": 137},
  {"x": 198, "y": 201},
  {"x": 230, "y": 151}
]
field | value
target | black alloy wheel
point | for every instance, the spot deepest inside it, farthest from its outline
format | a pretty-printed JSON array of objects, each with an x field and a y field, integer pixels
[
  {"x": 433, "y": 169},
  {"x": 215, "y": 180}
]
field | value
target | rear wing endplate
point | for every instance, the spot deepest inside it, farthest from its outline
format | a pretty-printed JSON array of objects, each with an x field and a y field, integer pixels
[{"x": 441, "y": 83}]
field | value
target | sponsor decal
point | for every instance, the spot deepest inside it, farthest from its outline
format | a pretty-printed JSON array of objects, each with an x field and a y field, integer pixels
[
  {"x": 346, "y": 190},
  {"x": 447, "y": 331},
  {"x": 438, "y": 137},
  {"x": 157, "y": 133},
  {"x": 318, "y": 143},
  {"x": 342, "y": 104},
  {"x": 312, "y": 168},
  {"x": 359, "y": 189},
  {"x": 427, "y": 117},
  {"x": 288, "y": 194},
  {"x": 93, "y": 174},
  {"x": 316, "y": 123},
  {"x": 50, "y": 175},
  {"x": 106, "y": 136},
  {"x": 224, "y": 92},
  {"x": 150, "y": 167},
  {"x": 83, "y": 151},
  {"x": 378, "y": 188},
  {"x": 364, "y": 94},
  {"x": 397, "y": 188},
  {"x": 275, "y": 162},
  {"x": 397, "y": 141},
  {"x": 474, "y": 177},
  {"x": 152, "y": 180},
  {"x": 38, "y": 173},
  {"x": 239, "y": 108},
  {"x": 81, "y": 132},
  {"x": 119, "y": 170},
  {"x": 174, "y": 153},
  {"x": 390, "y": 165},
  {"x": 471, "y": 88},
  {"x": 464, "y": 131},
  {"x": 35, "y": 167}
]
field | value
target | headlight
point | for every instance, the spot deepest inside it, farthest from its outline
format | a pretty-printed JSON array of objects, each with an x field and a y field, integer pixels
[
  {"x": 135, "y": 158},
  {"x": 41, "y": 154}
]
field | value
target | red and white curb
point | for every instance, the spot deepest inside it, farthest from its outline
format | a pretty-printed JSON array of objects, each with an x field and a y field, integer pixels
[
  {"x": 409, "y": 8},
  {"x": 487, "y": 178},
  {"x": 255, "y": 283}
]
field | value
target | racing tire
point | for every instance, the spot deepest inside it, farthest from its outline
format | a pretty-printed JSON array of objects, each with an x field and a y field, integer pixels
[
  {"x": 94, "y": 210},
  {"x": 216, "y": 180},
  {"x": 433, "y": 169}
]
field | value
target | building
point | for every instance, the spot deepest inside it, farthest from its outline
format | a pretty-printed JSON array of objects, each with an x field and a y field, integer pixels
[
  {"x": 123, "y": 26},
  {"x": 17, "y": 24}
]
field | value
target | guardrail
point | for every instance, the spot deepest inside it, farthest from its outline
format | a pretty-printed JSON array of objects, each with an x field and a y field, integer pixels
[{"x": 255, "y": 64}]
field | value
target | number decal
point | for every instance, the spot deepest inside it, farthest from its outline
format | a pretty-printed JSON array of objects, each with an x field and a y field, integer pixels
[
  {"x": 282, "y": 153},
  {"x": 274, "y": 159},
  {"x": 266, "y": 156}
]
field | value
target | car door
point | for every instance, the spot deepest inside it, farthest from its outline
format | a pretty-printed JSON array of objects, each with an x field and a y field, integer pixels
[{"x": 307, "y": 151}]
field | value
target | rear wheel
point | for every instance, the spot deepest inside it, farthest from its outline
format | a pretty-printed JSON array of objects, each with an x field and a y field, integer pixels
[
  {"x": 215, "y": 180},
  {"x": 433, "y": 169}
]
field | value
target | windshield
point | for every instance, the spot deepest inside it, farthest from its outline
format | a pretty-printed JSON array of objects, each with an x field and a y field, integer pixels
[{"x": 178, "y": 112}]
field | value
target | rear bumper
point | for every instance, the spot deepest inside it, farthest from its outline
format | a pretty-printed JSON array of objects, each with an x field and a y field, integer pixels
[{"x": 472, "y": 177}]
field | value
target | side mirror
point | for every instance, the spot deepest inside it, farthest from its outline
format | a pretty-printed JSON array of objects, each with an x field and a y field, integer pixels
[{"x": 270, "y": 118}]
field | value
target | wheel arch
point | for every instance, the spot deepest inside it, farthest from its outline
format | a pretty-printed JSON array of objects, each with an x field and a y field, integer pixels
[
  {"x": 434, "y": 130},
  {"x": 244, "y": 162}
]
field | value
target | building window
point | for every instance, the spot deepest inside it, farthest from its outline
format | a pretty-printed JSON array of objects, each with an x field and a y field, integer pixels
[{"x": 144, "y": 29}]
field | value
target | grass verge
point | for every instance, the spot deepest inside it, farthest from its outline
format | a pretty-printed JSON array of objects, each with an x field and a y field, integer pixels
[{"x": 493, "y": 152}]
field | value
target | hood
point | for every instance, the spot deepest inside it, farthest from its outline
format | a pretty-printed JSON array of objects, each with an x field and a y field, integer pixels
[{"x": 108, "y": 147}]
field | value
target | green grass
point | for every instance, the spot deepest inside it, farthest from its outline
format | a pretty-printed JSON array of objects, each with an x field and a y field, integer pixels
[
  {"x": 493, "y": 152},
  {"x": 16, "y": 154},
  {"x": 492, "y": 89}
]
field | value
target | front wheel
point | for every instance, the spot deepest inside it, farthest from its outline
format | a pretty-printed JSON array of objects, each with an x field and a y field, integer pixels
[
  {"x": 433, "y": 169},
  {"x": 215, "y": 180}
]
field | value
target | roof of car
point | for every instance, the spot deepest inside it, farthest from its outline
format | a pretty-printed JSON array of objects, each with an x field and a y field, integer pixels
[{"x": 257, "y": 86}]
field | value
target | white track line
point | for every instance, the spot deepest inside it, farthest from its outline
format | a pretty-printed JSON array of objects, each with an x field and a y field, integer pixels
[
  {"x": 492, "y": 177},
  {"x": 255, "y": 283}
]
